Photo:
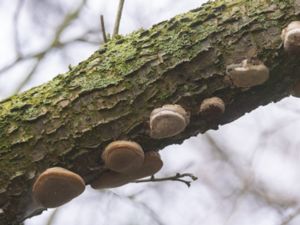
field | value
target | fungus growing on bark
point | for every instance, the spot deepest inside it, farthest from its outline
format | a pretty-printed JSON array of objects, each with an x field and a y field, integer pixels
[
  {"x": 152, "y": 164},
  {"x": 291, "y": 37},
  {"x": 110, "y": 179},
  {"x": 247, "y": 74},
  {"x": 123, "y": 156},
  {"x": 212, "y": 108},
  {"x": 168, "y": 121},
  {"x": 57, "y": 186}
]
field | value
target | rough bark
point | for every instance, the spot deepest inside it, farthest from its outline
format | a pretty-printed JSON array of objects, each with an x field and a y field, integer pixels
[{"x": 69, "y": 120}]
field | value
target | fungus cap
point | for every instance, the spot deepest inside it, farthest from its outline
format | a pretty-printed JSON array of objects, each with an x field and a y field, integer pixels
[
  {"x": 110, "y": 179},
  {"x": 152, "y": 164},
  {"x": 212, "y": 107},
  {"x": 291, "y": 37},
  {"x": 57, "y": 186},
  {"x": 123, "y": 156},
  {"x": 168, "y": 121},
  {"x": 248, "y": 74}
]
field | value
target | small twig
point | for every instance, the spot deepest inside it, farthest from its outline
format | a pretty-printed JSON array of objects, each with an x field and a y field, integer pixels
[
  {"x": 177, "y": 177},
  {"x": 69, "y": 18},
  {"x": 30, "y": 56},
  {"x": 28, "y": 76},
  {"x": 103, "y": 28},
  {"x": 290, "y": 217},
  {"x": 118, "y": 18},
  {"x": 132, "y": 200},
  {"x": 55, "y": 43}
]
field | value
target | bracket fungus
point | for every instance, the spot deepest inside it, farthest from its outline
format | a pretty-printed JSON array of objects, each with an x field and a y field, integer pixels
[
  {"x": 168, "y": 121},
  {"x": 212, "y": 107},
  {"x": 247, "y": 74},
  {"x": 152, "y": 164},
  {"x": 123, "y": 156},
  {"x": 291, "y": 37},
  {"x": 110, "y": 179},
  {"x": 57, "y": 186}
]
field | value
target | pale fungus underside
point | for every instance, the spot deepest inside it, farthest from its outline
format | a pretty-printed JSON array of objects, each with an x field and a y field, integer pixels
[
  {"x": 291, "y": 37},
  {"x": 249, "y": 73},
  {"x": 168, "y": 121}
]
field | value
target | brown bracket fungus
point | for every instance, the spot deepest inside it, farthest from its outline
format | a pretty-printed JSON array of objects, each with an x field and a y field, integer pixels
[
  {"x": 123, "y": 156},
  {"x": 110, "y": 179},
  {"x": 152, "y": 164},
  {"x": 291, "y": 37},
  {"x": 168, "y": 121},
  {"x": 212, "y": 108},
  {"x": 57, "y": 186},
  {"x": 247, "y": 74}
]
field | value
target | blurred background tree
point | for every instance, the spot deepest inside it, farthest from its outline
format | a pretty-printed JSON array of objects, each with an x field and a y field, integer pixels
[{"x": 248, "y": 170}]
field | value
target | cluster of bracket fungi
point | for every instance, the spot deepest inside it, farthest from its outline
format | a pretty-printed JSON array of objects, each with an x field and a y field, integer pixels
[{"x": 125, "y": 161}]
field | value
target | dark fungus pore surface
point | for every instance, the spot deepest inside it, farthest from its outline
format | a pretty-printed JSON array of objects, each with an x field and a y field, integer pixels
[
  {"x": 57, "y": 186},
  {"x": 123, "y": 156}
]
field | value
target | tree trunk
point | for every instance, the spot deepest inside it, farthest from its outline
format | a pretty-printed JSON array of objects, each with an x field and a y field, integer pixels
[{"x": 68, "y": 121}]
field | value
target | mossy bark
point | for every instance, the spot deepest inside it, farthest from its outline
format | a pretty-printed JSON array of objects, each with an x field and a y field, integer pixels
[{"x": 68, "y": 121}]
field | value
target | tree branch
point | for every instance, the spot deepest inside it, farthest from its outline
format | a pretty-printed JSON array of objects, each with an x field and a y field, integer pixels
[
  {"x": 39, "y": 56},
  {"x": 176, "y": 177},
  {"x": 118, "y": 18},
  {"x": 103, "y": 28},
  {"x": 17, "y": 13}
]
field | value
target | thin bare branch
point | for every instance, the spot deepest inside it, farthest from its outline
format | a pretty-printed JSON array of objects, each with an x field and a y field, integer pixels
[
  {"x": 81, "y": 38},
  {"x": 248, "y": 179},
  {"x": 28, "y": 76},
  {"x": 69, "y": 18},
  {"x": 177, "y": 177},
  {"x": 55, "y": 43},
  {"x": 290, "y": 217},
  {"x": 132, "y": 199},
  {"x": 153, "y": 215},
  {"x": 17, "y": 13},
  {"x": 118, "y": 18},
  {"x": 52, "y": 217},
  {"x": 12, "y": 64},
  {"x": 103, "y": 28}
]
